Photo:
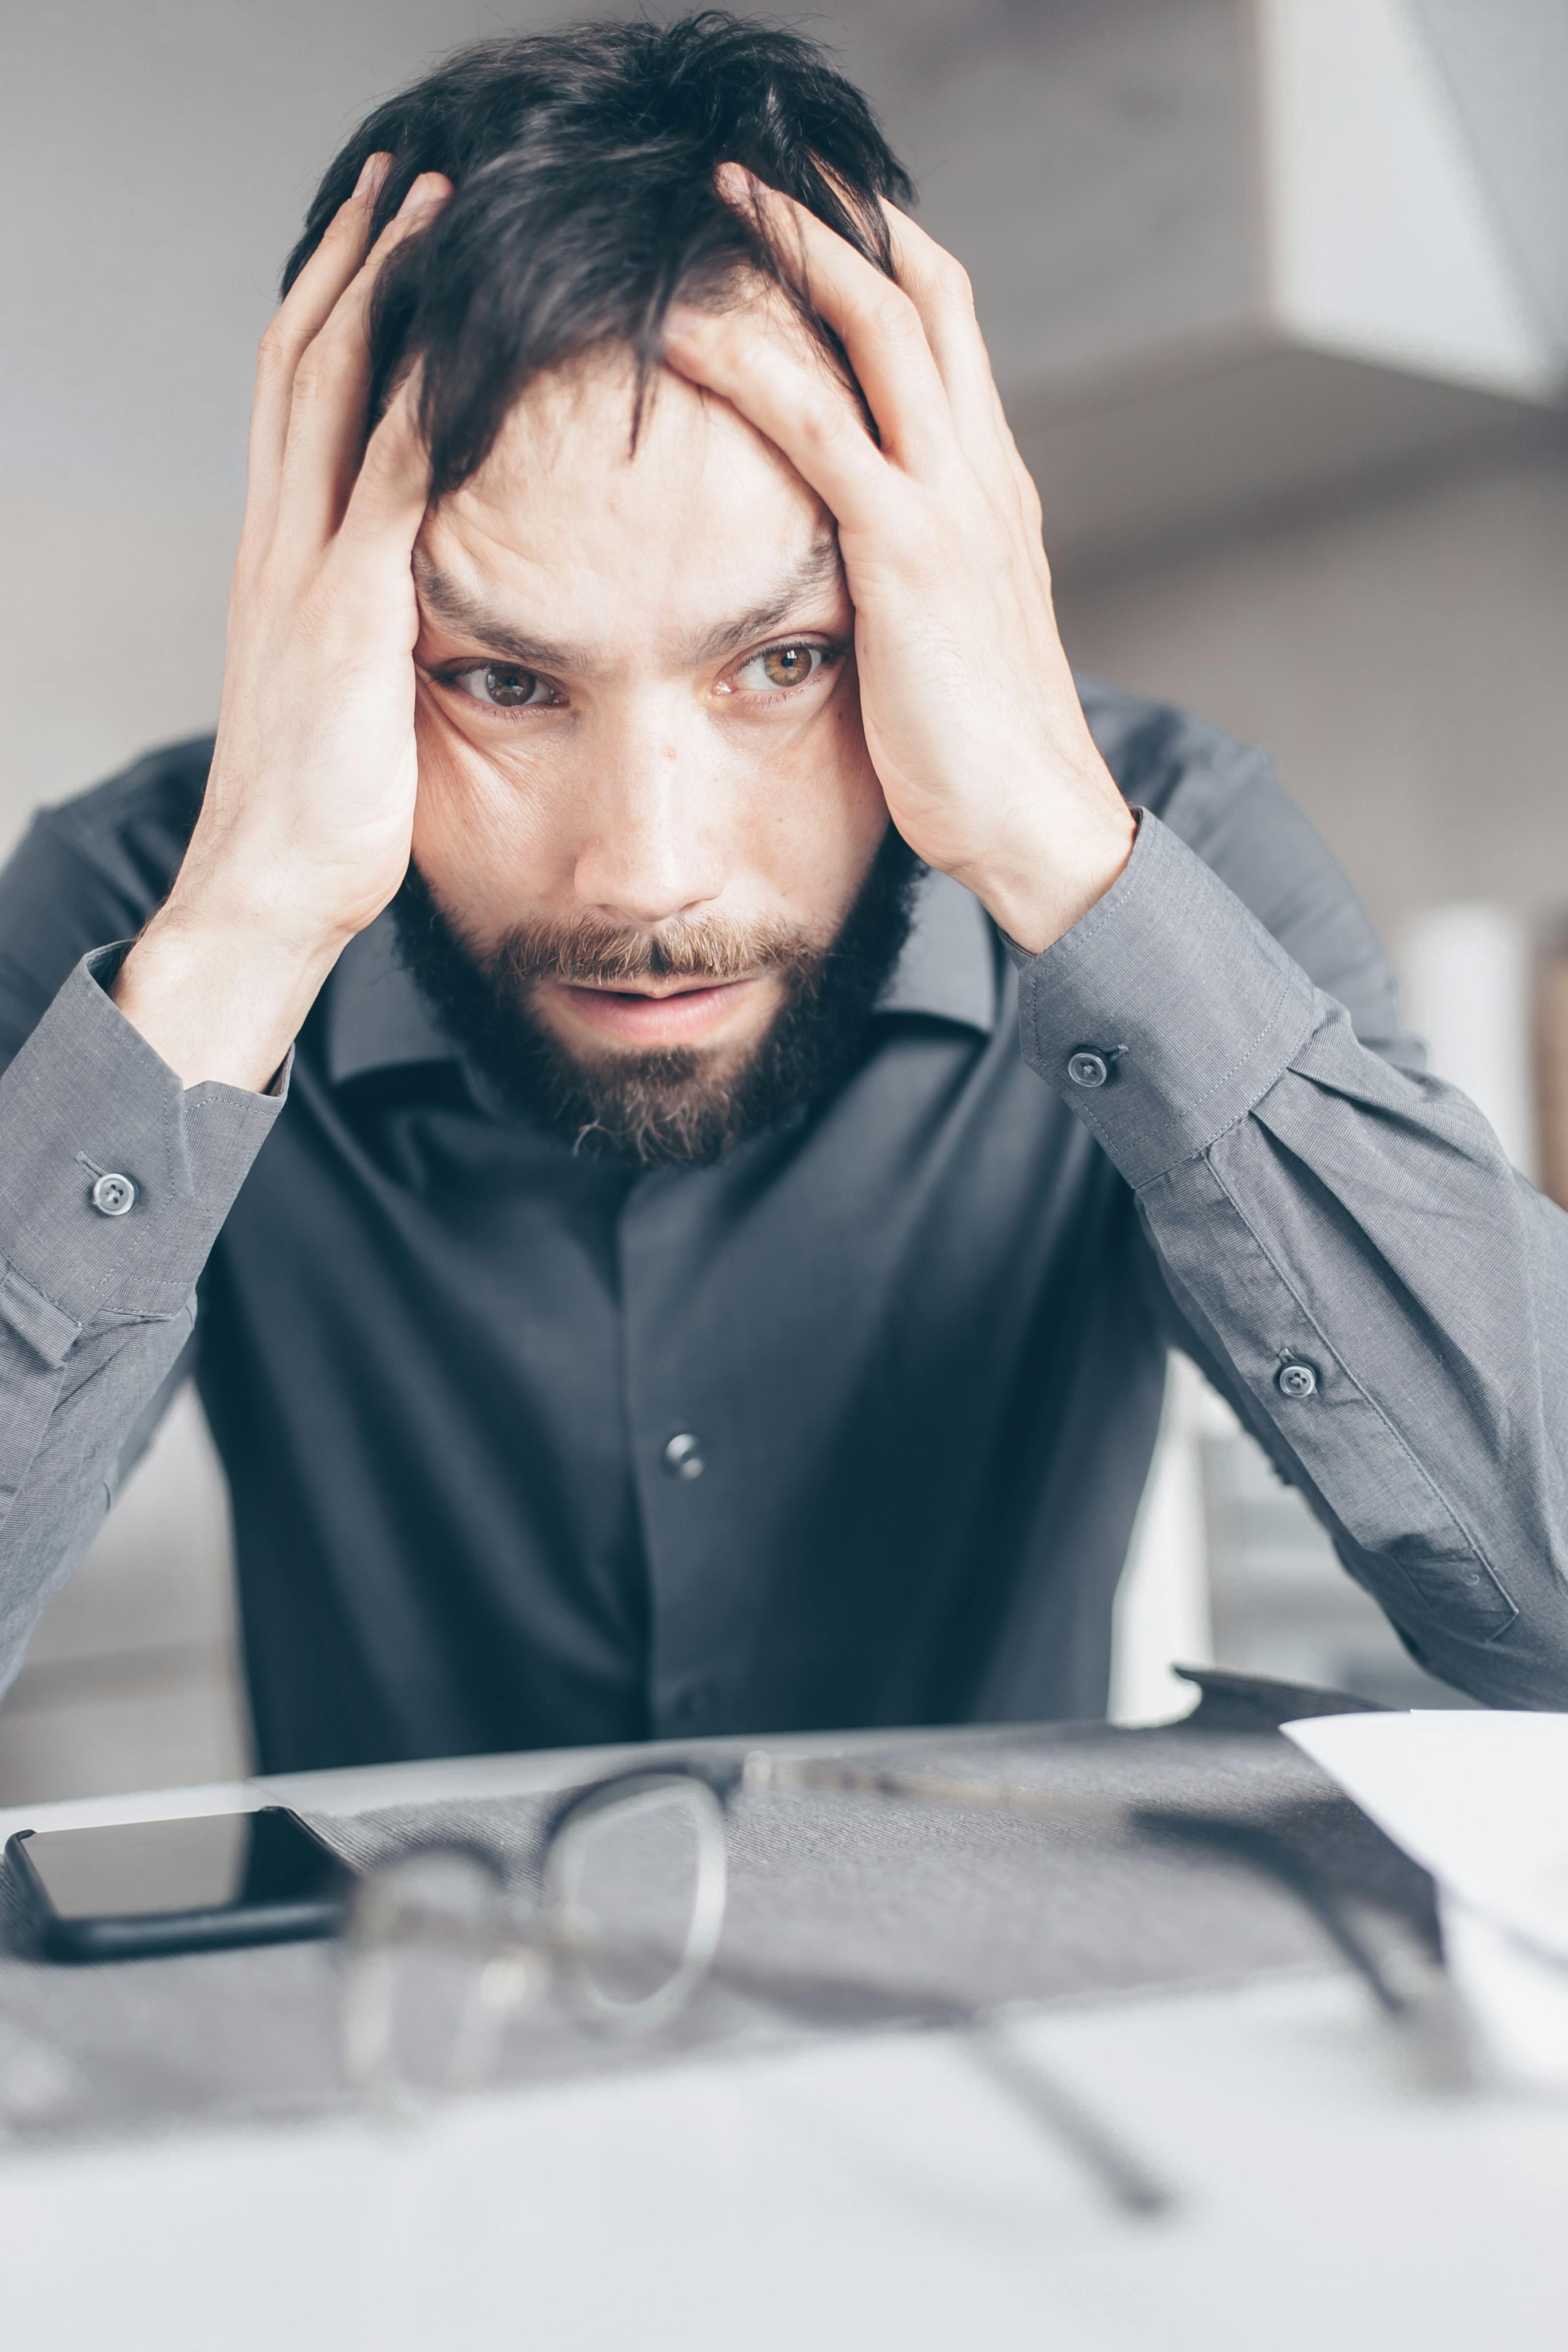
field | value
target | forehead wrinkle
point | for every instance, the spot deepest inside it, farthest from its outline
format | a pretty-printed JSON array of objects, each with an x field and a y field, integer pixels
[{"x": 442, "y": 597}]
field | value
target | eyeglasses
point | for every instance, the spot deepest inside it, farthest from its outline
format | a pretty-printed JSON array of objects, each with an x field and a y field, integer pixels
[
  {"x": 625, "y": 1928},
  {"x": 442, "y": 1953}
]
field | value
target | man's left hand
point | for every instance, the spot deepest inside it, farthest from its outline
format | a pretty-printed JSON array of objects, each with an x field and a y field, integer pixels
[{"x": 971, "y": 715}]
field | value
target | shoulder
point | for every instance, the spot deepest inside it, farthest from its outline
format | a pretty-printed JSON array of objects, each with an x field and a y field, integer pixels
[
  {"x": 91, "y": 871},
  {"x": 1224, "y": 799}
]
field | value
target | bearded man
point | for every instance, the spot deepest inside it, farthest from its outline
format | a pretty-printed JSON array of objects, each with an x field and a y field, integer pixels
[{"x": 694, "y": 1073}]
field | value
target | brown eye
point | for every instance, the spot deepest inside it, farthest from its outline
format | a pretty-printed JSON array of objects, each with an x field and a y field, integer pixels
[
  {"x": 786, "y": 664},
  {"x": 506, "y": 686}
]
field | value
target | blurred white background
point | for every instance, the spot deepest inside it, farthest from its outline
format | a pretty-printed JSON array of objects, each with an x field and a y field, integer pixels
[{"x": 1277, "y": 291}]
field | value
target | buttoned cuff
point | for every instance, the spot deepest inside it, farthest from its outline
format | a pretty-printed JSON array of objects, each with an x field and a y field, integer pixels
[
  {"x": 114, "y": 1179},
  {"x": 1166, "y": 1012}
]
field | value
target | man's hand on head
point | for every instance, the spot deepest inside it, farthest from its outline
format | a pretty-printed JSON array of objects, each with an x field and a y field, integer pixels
[
  {"x": 970, "y": 711},
  {"x": 304, "y": 832}
]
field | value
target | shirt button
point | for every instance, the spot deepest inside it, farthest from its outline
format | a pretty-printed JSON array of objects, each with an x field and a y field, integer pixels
[
  {"x": 111, "y": 1196},
  {"x": 1087, "y": 1069},
  {"x": 683, "y": 1457},
  {"x": 1296, "y": 1379}
]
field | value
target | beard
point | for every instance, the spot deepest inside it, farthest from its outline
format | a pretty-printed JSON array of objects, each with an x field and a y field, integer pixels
[{"x": 683, "y": 1106}]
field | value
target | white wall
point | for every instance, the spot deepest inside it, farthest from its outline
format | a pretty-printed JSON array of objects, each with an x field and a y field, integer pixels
[{"x": 1403, "y": 657}]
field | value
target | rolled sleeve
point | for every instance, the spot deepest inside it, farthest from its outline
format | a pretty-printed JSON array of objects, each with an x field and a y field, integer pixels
[
  {"x": 86, "y": 1100},
  {"x": 1167, "y": 1012}
]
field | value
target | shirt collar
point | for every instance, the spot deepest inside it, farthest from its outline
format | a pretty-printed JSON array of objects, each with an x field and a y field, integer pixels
[
  {"x": 376, "y": 1018},
  {"x": 947, "y": 970}
]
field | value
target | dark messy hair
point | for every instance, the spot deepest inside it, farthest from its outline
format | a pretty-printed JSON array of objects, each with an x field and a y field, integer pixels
[{"x": 583, "y": 205}]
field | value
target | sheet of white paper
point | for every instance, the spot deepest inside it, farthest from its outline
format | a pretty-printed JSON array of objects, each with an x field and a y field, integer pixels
[
  {"x": 1481, "y": 1802},
  {"x": 1480, "y": 1799}
]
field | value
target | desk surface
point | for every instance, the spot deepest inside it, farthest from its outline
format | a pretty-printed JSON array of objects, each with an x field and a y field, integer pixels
[{"x": 862, "y": 2192}]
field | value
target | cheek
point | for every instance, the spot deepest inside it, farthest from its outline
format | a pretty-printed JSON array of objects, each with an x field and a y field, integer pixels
[
  {"x": 818, "y": 814},
  {"x": 479, "y": 820}
]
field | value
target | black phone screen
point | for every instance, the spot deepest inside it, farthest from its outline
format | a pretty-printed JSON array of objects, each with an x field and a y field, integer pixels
[{"x": 222, "y": 1878}]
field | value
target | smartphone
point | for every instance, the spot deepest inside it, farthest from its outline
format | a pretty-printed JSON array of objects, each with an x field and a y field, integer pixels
[{"x": 136, "y": 1888}]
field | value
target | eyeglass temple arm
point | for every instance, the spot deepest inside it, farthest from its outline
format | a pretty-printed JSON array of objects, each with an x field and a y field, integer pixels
[
  {"x": 1297, "y": 1876},
  {"x": 986, "y": 2039},
  {"x": 1249, "y": 1843},
  {"x": 1126, "y": 2178},
  {"x": 762, "y": 1771}
]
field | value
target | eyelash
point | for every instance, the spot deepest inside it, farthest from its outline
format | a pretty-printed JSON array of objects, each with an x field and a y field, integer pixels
[
  {"x": 823, "y": 658},
  {"x": 457, "y": 681}
]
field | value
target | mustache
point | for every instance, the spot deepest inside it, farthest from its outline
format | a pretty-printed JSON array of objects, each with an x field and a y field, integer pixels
[{"x": 592, "y": 952}]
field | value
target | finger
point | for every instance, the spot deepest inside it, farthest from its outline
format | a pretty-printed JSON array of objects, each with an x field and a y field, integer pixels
[
  {"x": 940, "y": 289},
  {"x": 305, "y": 308},
  {"x": 392, "y": 488},
  {"x": 326, "y": 418},
  {"x": 875, "y": 320},
  {"x": 791, "y": 399}
]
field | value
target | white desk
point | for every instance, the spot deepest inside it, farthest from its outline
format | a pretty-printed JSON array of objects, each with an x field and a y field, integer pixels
[
  {"x": 842, "y": 2198},
  {"x": 358, "y": 1789}
]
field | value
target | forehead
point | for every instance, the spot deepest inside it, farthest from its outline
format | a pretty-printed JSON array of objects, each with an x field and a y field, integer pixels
[{"x": 565, "y": 518}]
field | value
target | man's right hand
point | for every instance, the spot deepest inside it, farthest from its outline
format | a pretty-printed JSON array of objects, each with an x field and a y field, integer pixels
[{"x": 304, "y": 832}]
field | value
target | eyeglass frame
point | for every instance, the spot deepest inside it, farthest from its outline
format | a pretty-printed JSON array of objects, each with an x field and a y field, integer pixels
[{"x": 1130, "y": 2182}]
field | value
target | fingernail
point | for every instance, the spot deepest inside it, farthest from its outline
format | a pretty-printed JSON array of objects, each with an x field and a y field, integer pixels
[
  {"x": 681, "y": 319},
  {"x": 734, "y": 180},
  {"x": 422, "y": 193},
  {"x": 372, "y": 171}
]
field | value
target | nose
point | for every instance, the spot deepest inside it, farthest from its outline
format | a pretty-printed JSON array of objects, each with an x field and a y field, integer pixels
[{"x": 651, "y": 851}]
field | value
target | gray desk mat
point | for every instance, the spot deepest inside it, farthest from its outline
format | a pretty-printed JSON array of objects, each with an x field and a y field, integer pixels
[{"x": 847, "y": 1913}]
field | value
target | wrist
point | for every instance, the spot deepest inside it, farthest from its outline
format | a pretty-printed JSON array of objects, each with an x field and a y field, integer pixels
[
  {"x": 221, "y": 995},
  {"x": 1037, "y": 885},
  {"x": 261, "y": 910}
]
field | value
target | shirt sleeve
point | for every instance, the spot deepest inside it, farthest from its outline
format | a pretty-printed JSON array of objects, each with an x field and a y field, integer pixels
[
  {"x": 1350, "y": 1255},
  {"x": 114, "y": 1182}
]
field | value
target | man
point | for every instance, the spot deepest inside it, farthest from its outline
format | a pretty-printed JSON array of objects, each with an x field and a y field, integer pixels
[{"x": 664, "y": 1298}]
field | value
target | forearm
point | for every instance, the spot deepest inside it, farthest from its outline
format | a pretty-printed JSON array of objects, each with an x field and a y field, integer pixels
[
  {"x": 1384, "y": 1300},
  {"x": 114, "y": 1181},
  {"x": 73, "y": 1432},
  {"x": 1425, "y": 1449}
]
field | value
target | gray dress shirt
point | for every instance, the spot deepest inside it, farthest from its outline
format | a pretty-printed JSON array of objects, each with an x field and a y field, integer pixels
[{"x": 530, "y": 1449}]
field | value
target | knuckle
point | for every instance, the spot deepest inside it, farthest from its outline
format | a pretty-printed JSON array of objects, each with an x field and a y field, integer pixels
[
  {"x": 378, "y": 467},
  {"x": 718, "y": 343},
  {"x": 388, "y": 447},
  {"x": 275, "y": 348},
  {"x": 269, "y": 583},
  {"x": 310, "y": 378},
  {"x": 345, "y": 227},
  {"x": 823, "y": 421},
  {"x": 955, "y": 282},
  {"x": 892, "y": 313}
]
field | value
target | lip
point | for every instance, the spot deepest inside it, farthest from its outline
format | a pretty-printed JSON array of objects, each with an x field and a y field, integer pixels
[{"x": 684, "y": 1017}]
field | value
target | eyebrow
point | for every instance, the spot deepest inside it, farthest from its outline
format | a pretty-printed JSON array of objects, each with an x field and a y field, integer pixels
[
  {"x": 446, "y": 601},
  {"x": 819, "y": 565}
]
